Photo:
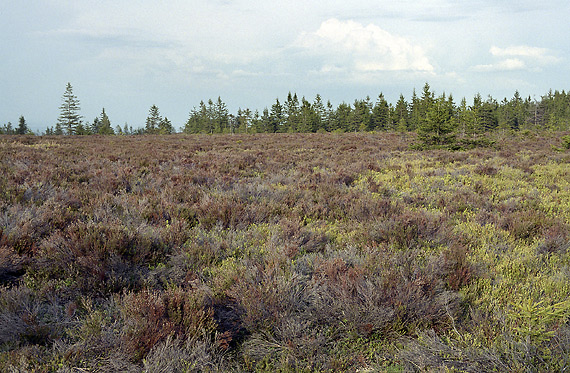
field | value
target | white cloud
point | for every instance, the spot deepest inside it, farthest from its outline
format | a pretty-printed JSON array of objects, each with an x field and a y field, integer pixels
[
  {"x": 509, "y": 64},
  {"x": 365, "y": 49},
  {"x": 540, "y": 55},
  {"x": 521, "y": 57}
]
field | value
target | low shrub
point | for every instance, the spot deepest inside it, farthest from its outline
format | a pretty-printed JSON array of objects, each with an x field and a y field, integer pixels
[
  {"x": 565, "y": 141},
  {"x": 151, "y": 317},
  {"x": 283, "y": 252}
]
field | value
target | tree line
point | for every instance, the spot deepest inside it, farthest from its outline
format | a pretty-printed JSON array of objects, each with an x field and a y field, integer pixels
[
  {"x": 21, "y": 129},
  {"x": 433, "y": 117}
]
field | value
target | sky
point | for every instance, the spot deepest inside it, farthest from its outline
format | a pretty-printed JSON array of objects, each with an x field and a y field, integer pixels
[{"x": 127, "y": 55}]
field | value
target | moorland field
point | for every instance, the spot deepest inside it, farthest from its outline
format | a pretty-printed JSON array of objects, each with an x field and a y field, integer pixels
[{"x": 283, "y": 252}]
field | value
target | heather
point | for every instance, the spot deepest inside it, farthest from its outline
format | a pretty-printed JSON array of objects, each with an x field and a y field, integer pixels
[{"x": 284, "y": 252}]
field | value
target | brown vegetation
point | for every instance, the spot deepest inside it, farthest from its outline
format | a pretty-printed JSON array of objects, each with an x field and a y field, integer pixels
[{"x": 314, "y": 252}]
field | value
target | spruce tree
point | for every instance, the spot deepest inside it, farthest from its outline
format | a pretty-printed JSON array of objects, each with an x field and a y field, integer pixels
[
  {"x": 80, "y": 129},
  {"x": 291, "y": 113},
  {"x": 256, "y": 122},
  {"x": 69, "y": 118},
  {"x": 415, "y": 112},
  {"x": 165, "y": 127},
  {"x": 94, "y": 128},
  {"x": 153, "y": 120},
  {"x": 308, "y": 121},
  {"x": 424, "y": 105},
  {"x": 401, "y": 114},
  {"x": 438, "y": 127},
  {"x": 204, "y": 119},
  {"x": 380, "y": 114},
  {"x": 244, "y": 119},
  {"x": 58, "y": 130},
  {"x": 361, "y": 116},
  {"x": 276, "y": 117},
  {"x": 221, "y": 116},
  {"x": 22, "y": 126},
  {"x": 193, "y": 123},
  {"x": 320, "y": 112},
  {"x": 8, "y": 130},
  {"x": 105, "y": 127},
  {"x": 329, "y": 116},
  {"x": 342, "y": 117}
]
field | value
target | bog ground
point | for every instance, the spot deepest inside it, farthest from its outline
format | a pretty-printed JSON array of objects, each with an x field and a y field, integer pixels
[{"x": 277, "y": 252}]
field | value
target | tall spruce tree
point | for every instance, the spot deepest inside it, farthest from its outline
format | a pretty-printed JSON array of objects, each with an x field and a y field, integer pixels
[{"x": 69, "y": 118}]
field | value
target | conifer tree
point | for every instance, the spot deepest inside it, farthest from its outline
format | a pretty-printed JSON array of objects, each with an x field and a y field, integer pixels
[
  {"x": 438, "y": 127},
  {"x": 276, "y": 117},
  {"x": 361, "y": 116},
  {"x": 266, "y": 121},
  {"x": 94, "y": 128},
  {"x": 415, "y": 111},
  {"x": 401, "y": 114},
  {"x": 204, "y": 118},
  {"x": 380, "y": 114},
  {"x": 69, "y": 118},
  {"x": 425, "y": 104},
  {"x": 308, "y": 121},
  {"x": 58, "y": 131},
  {"x": 342, "y": 117},
  {"x": 193, "y": 123},
  {"x": 165, "y": 127},
  {"x": 22, "y": 126},
  {"x": 487, "y": 115},
  {"x": 244, "y": 119},
  {"x": 80, "y": 129},
  {"x": 320, "y": 112},
  {"x": 465, "y": 119},
  {"x": 8, "y": 130},
  {"x": 329, "y": 116},
  {"x": 291, "y": 113},
  {"x": 153, "y": 120},
  {"x": 221, "y": 116},
  {"x": 105, "y": 127}
]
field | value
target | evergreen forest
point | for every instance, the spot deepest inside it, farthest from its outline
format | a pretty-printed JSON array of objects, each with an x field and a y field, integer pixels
[{"x": 299, "y": 115}]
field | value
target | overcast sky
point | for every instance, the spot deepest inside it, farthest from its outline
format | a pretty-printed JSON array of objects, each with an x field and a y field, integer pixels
[{"x": 126, "y": 55}]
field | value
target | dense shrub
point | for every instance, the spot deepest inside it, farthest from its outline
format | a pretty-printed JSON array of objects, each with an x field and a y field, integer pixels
[{"x": 152, "y": 317}]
